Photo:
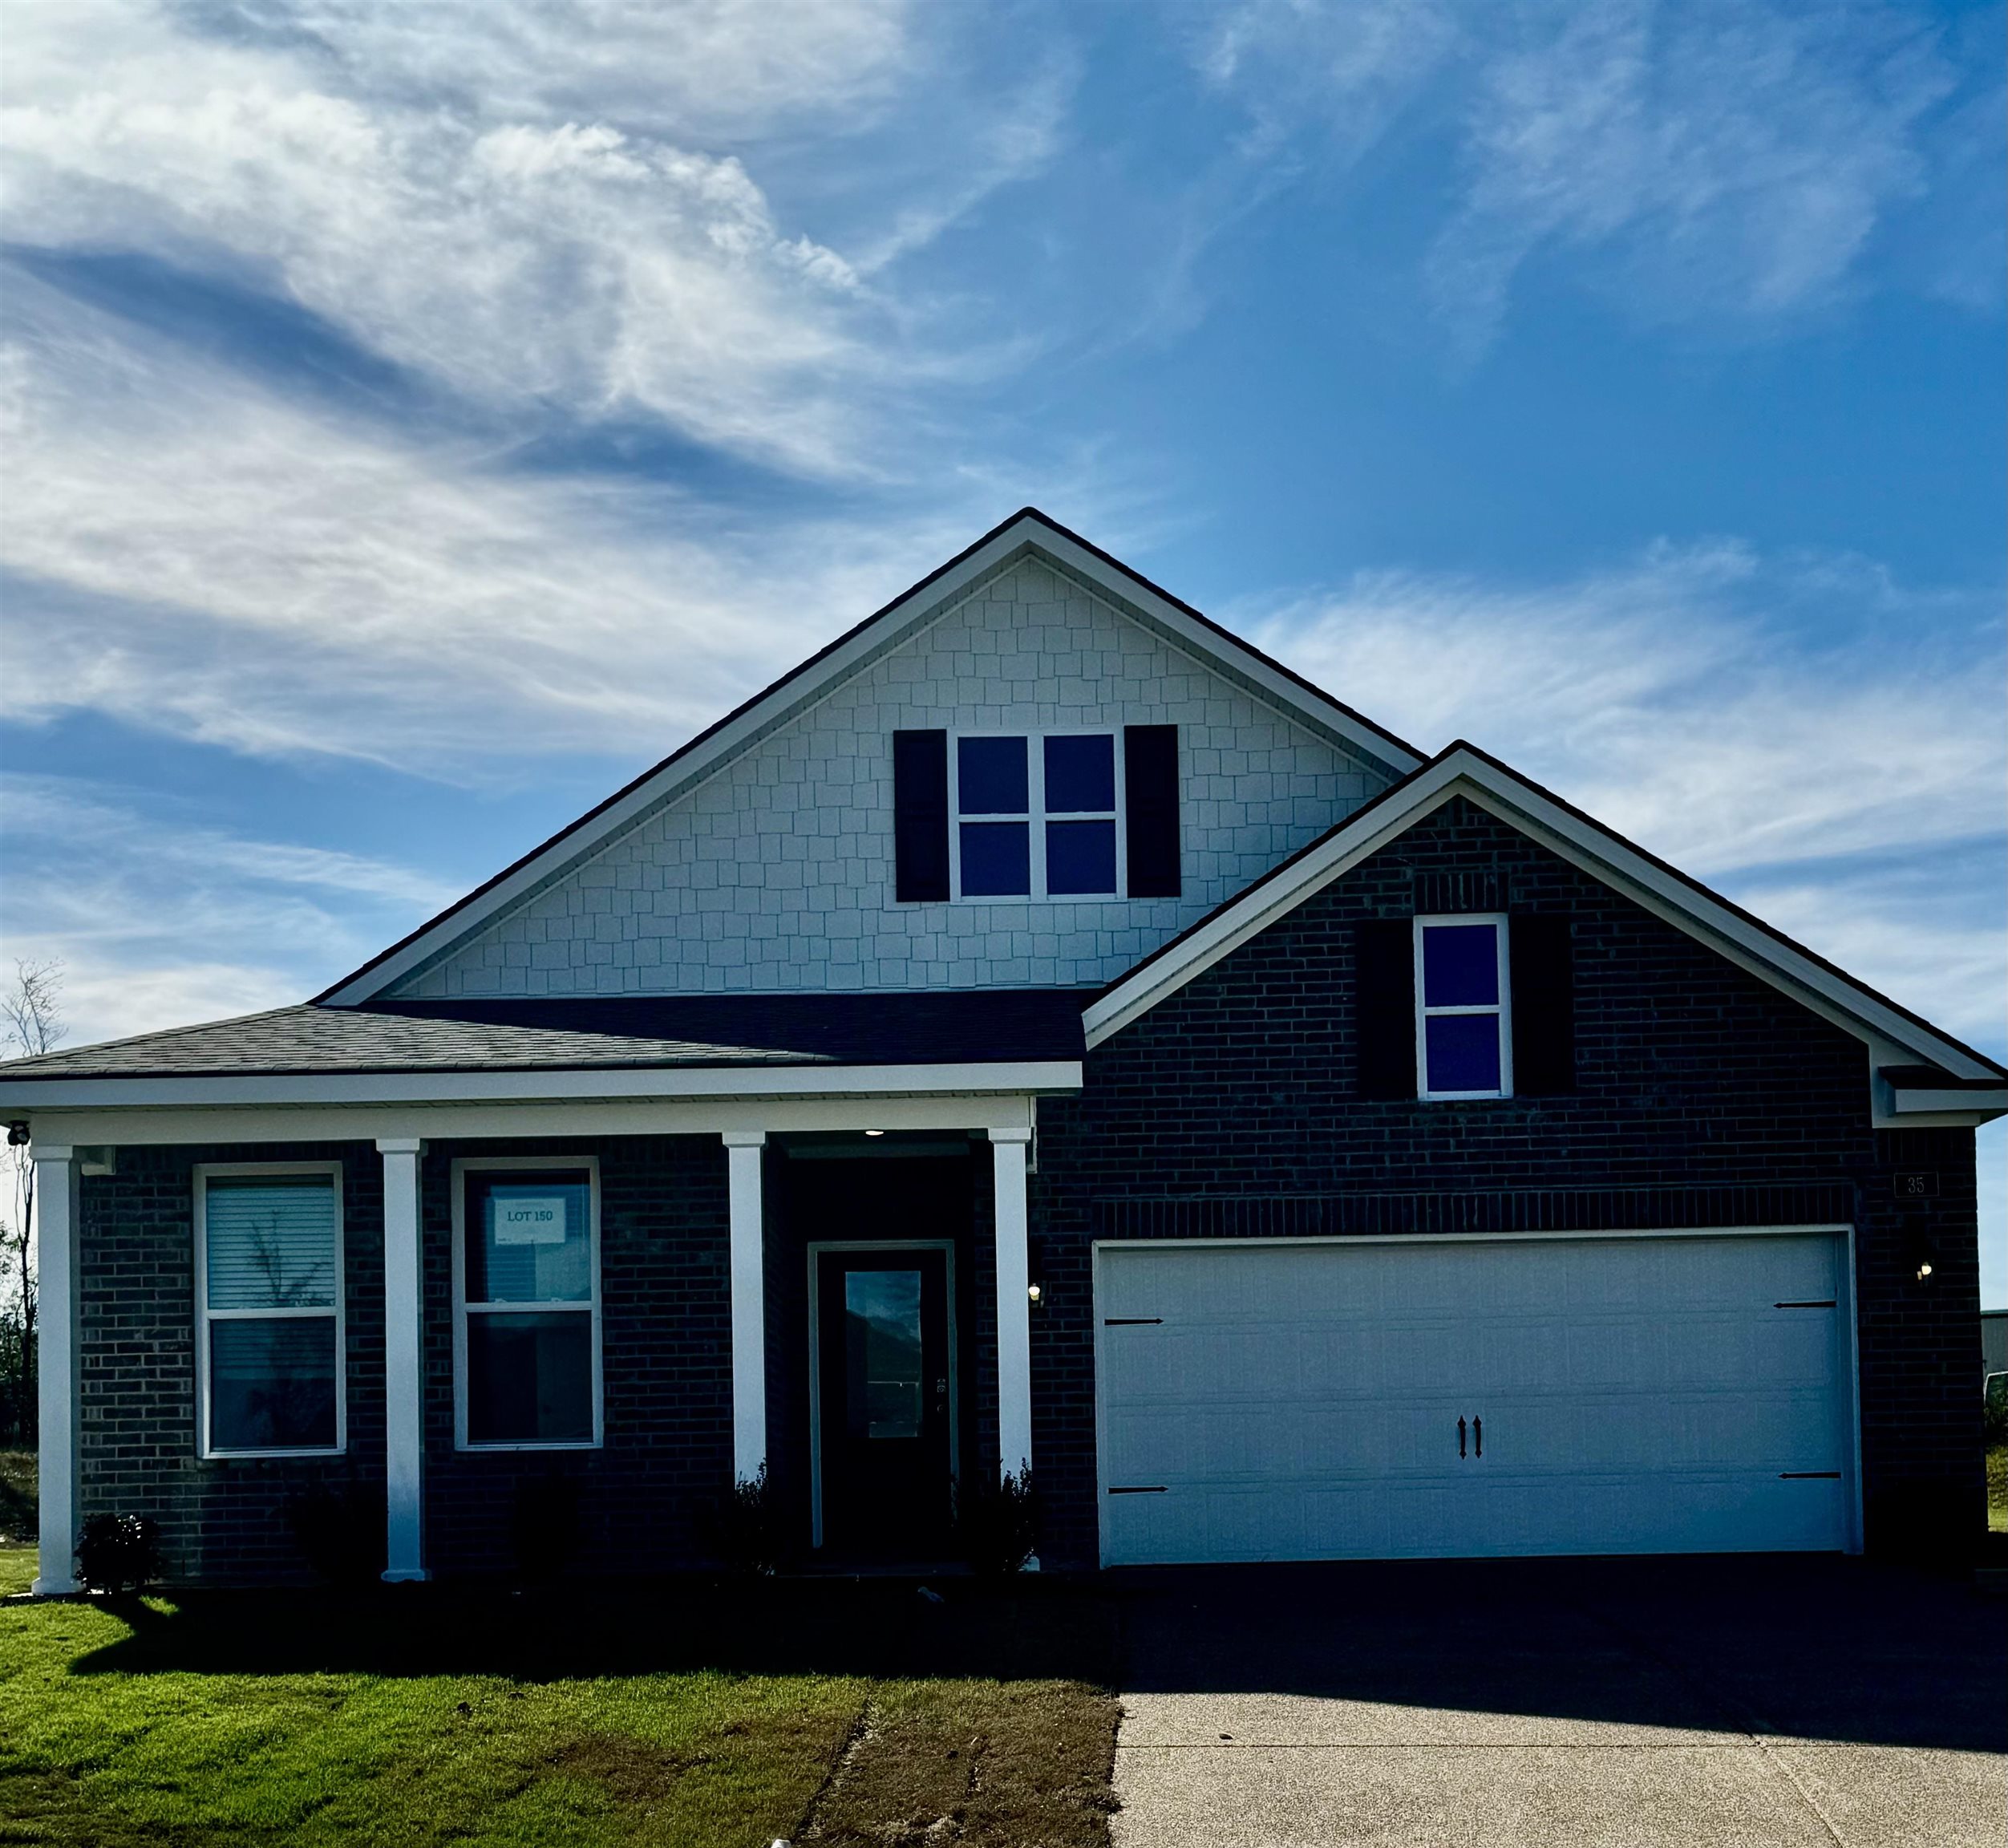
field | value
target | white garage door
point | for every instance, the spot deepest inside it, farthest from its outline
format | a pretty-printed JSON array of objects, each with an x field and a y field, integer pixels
[{"x": 1632, "y": 1393}]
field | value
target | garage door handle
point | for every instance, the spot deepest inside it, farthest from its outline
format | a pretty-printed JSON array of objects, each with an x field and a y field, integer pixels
[
  {"x": 1478, "y": 1437},
  {"x": 1460, "y": 1437}
]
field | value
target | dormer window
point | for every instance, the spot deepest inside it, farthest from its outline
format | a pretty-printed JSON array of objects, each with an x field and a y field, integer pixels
[{"x": 1035, "y": 815}]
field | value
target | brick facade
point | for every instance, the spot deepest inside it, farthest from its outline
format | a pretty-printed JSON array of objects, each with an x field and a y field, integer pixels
[{"x": 1704, "y": 1097}]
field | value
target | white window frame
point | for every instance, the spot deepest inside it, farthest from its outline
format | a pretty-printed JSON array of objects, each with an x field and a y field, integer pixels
[
  {"x": 589, "y": 1166},
  {"x": 1503, "y": 1010},
  {"x": 205, "y": 1314},
  {"x": 1036, "y": 818}
]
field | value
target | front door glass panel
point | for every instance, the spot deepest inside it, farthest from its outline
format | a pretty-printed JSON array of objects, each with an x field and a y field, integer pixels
[{"x": 884, "y": 1360}]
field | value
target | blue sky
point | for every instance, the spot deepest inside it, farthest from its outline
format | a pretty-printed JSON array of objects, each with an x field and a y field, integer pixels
[{"x": 420, "y": 418}]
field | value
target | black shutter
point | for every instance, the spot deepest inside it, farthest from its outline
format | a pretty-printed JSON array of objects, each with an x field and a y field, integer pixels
[
  {"x": 1384, "y": 1014},
  {"x": 920, "y": 814},
  {"x": 1150, "y": 781},
  {"x": 1544, "y": 1007}
]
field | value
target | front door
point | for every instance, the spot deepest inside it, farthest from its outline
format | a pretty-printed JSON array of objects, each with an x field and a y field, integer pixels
[{"x": 884, "y": 1394}]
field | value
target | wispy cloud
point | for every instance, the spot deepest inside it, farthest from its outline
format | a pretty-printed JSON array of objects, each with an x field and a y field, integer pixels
[
  {"x": 494, "y": 200},
  {"x": 1733, "y": 160},
  {"x": 158, "y": 918},
  {"x": 1783, "y": 727},
  {"x": 228, "y": 564}
]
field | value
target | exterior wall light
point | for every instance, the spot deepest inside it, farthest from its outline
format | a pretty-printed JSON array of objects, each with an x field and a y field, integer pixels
[
  {"x": 874, "y": 1132},
  {"x": 1035, "y": 1294}
]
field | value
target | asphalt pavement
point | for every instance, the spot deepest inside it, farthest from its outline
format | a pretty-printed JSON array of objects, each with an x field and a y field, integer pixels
[{"x": 1563, "y": 1703}]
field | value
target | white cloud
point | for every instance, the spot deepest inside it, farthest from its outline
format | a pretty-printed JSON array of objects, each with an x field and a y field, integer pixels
[
  {"x": 159, "y": 919},
  {"x": 1819, "y": 742},
  {"x": 1731, "y": 159},
  {"x": 605, "y": 264},
  {"x": 197, "y": 555}
]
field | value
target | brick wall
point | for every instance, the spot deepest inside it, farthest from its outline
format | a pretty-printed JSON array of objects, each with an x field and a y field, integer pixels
[
  {"x": 1706, "y": 1097},
  {"x": 665, "y": 1350},
  {"x": 776, "y": 873},
  {"x": 218, "y": 1519}
]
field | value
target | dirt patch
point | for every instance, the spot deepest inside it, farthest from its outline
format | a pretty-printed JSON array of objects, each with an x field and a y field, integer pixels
[
  {"x": 631, "y": 1771},
  {"x": 1023, "y": 1764}
]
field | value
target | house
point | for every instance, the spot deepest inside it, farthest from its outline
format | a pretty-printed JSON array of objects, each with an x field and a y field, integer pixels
[{"x": 1040, "y": 1031}]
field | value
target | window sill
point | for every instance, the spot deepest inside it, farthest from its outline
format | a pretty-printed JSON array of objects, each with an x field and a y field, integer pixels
[
  {"x": 266, "y": 1456},
  {"x": 505, "y": 1449}
]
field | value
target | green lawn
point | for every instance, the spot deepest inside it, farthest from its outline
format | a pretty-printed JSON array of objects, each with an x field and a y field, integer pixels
[
  {"x": 432, "y": 1715},
  {"x": 1998, "y": 1489}
]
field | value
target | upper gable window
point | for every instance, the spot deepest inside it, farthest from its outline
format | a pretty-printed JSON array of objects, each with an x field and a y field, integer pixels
[
  {"x": 1036, "y": 815},
  {"x": 1463, "y": 1034}
]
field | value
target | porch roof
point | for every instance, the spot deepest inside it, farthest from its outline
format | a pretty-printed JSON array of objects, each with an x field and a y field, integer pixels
[{"x": 982, "y": 1026}]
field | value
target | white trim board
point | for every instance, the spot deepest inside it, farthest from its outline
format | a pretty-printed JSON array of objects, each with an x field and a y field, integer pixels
[
  {"x": 1892, "y": 1036},
  {"x": 619, "y": 1084},
  {"x": 584, "y": 1118},
  {"x": 1027, "y": 534}
]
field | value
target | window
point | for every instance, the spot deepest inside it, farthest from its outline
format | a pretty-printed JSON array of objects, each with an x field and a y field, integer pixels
[
  {"x": 526, "y": 1290},
  {"x": 1036, "y": 815},
  {"x": 1464, "y": 1038},
  {"x": 268, "y": 1316}
]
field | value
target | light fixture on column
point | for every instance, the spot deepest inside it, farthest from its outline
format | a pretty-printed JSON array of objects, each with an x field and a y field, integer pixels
[{"x": 1035, "y": 1271}]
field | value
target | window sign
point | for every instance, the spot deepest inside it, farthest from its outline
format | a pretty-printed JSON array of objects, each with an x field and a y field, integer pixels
[
  {"x": 1463, "y": 1047},
  {"x": 529, "y": 1219},
  {"x": 528, "y": 1312}
]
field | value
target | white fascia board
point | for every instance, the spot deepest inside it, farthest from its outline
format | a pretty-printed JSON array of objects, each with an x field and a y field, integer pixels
[
  {"x": 891, "y": 628},
  {"x": 1224, "y": 933},
  {"x": 584, "y": 1119},
  {"x": 397, "y": 1088},
  {"x": 1831, "y": 996},
  {"x": 794, "y": 696},
  {"x": 1131, "y": 596}
]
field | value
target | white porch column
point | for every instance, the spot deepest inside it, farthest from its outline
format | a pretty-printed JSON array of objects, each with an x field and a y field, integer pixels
[
  {"x": 403, "y": 1360},
  {"x": 1014, "y": 1308},
  {"x": 743, "y": 1155},
  {"x": 58, "y": 1333}
]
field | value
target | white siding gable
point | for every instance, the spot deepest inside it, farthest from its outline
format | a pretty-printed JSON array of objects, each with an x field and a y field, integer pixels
[{"x": 775, "y": 874}]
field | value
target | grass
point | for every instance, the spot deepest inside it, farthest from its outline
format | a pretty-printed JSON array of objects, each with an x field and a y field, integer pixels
[
  {"x": 1998, "y": 1489},
  {"x": 417, "y": 1717}
]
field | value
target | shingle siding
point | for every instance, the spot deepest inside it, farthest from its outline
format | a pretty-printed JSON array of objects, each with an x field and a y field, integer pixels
[
  {"x": 776, "y": 874},
  {"x": 1704, "y": 1097}
]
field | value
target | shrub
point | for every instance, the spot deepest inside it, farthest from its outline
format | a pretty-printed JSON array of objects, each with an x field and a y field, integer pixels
[
  {"x": 997, "y": 1523},
  {"x": 741, "y": 1528},
  {"x": 119, "y": 1552},
  {"x": 544, "y": 1525},
  {"x": 340, "y": 1533},
  {"x": 1994, "y": 1419}
]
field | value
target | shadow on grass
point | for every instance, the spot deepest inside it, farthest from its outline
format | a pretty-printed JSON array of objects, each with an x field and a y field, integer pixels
[{"x": 1019, "y": 1629}]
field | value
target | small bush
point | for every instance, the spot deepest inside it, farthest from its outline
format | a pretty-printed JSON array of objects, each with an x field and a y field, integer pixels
[
  {"x": 545, "y": 1525},
  {"x": 741, "y": 1528},
  {"x": 340, "y": 1532},
  {"x": 997, "y": 1523},
  {"x": 117, "y": 1553},
  {"x": 1994, "y": 1419}
]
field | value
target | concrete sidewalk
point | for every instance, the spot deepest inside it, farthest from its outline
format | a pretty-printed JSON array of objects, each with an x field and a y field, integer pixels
[{"x": 1747, "y": 1702}]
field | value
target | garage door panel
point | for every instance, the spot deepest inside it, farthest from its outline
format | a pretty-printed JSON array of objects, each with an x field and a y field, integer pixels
[{"x": 1301, "y": 1401}]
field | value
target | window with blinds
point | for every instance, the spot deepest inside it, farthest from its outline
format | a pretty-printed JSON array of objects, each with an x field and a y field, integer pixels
[{"x": 268, "y": 1310}]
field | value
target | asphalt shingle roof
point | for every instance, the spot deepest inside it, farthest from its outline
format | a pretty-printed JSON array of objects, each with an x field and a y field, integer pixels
[{"x": 982, "y": 1026}]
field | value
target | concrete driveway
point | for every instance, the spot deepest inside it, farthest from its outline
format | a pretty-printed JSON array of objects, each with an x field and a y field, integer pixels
[{"x": 1566, "y": 1704}]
